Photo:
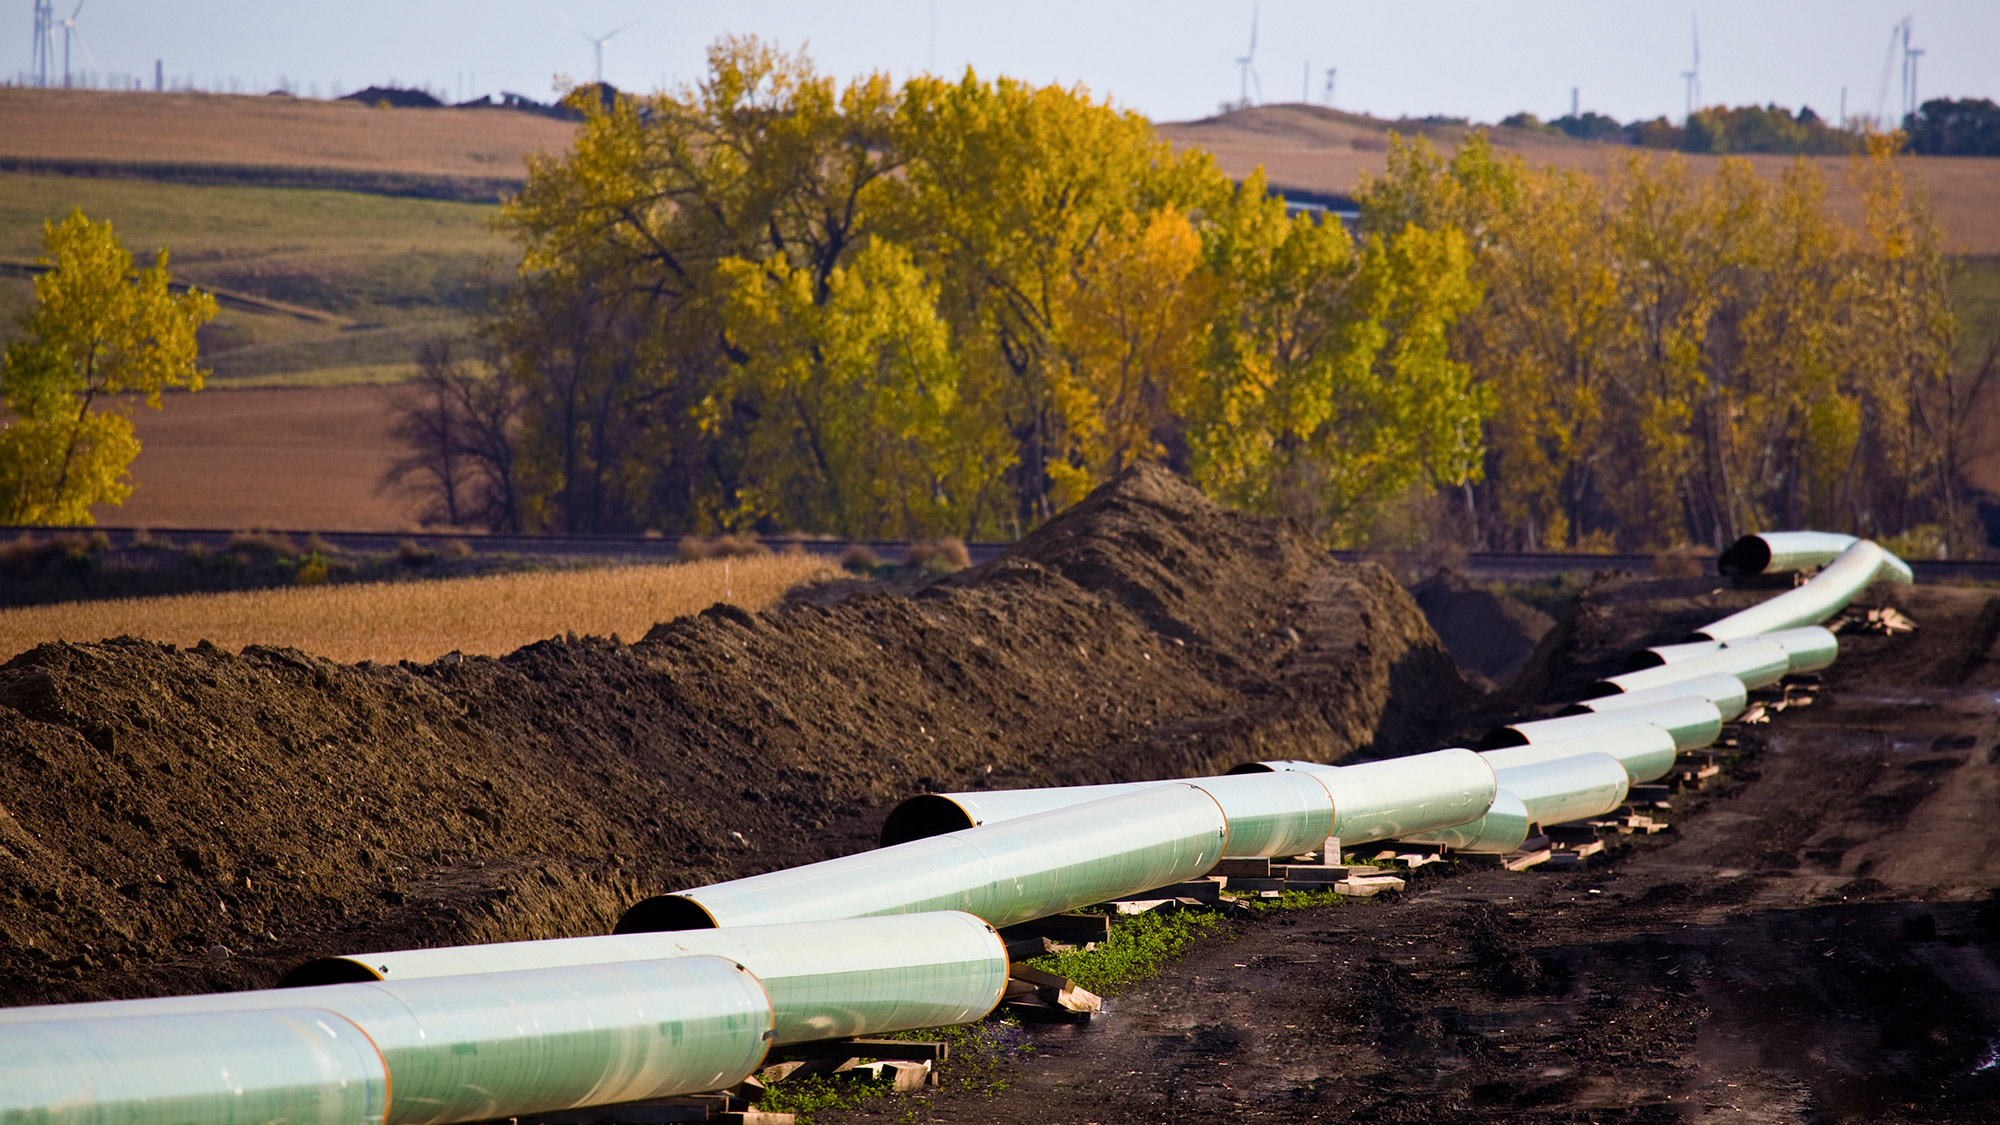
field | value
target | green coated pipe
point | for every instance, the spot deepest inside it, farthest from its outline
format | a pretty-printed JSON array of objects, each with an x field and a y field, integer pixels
[
  {"x": 1389, "y": 799},
  {"x": 1721, "y": 690},
  {"x": 1005, "y": 873},
  {"x": 1571, "y": 788},
  {"x": 1503, "y": 829},
  {"x": 1841, "y": 581},
  {"x": 496, "y": 1045},
  {"x": 1757, "y": 663},
  {"x": 1807, "y": 649},
  {"x": 1646, "y": 751},
  {"x": 1691, "y": 723},
  {"x": 1266, "y": 814},
  {"x": 1775, "y": 552},
  {"x": 826, "y": 980},
  {"x": 300, "y": 1066}
]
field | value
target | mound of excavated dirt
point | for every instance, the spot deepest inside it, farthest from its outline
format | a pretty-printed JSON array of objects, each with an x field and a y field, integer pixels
[
  {"x": 177, "y": 820},
  {"x": 1486, "y": 632}
]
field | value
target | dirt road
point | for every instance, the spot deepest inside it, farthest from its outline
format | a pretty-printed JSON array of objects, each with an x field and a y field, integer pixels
[{"x": 1815, "y": 941}]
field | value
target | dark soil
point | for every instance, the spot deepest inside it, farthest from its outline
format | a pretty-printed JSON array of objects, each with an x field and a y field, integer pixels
[
  {"x": 1487, "y": 632},
  {"x": 1816, "y": 940},
  {"x": 183, "y": 820}
]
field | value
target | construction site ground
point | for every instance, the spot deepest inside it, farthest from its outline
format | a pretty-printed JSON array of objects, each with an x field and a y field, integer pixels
[{"x": 1813, "y": 941}]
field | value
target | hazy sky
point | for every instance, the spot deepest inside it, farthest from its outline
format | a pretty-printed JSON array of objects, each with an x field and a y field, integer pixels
[{"x": 1169, "y": 59}]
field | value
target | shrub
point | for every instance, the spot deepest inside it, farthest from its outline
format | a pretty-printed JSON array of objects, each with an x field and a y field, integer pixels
[
  {"x": 312, "y": 570},
  {"x": 412, "y": 553},
  {"x": 859, "y": 556},
  {"x": 266, "y": 543},
  {"x": 942, "y": 556},
  {"x": 692, "y": 548},
  {"x": 458, "y": 550},
  {"x": 318, "y": 546}
]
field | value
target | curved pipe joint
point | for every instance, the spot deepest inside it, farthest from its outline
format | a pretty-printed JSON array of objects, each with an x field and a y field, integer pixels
[
  {"x": 300, "y": 1065},
  {"x": 1840, "y": 582},
  {"x": 897, "y": 973},
  {"x": 1005, "y": 872},
  {"x": 1690, "y": 722},
  {"x": 495, "y": 1045},
  {"x": 1646, "y": 751}
]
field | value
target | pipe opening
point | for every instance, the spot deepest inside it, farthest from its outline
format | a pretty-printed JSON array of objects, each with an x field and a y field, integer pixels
[
  {"x": 1644, "y": 658},
  {"x": 328, "y": 970},
  {"x": 920, "y": 818},
  {"x": 1602, "y": 688},
  {"x": 1572, "y": 709},
  {"x": 1249, "y": 767},
  {"x": 1693, "y": 637},
  {"x": 1499, "y": 738},
  {"x": 662, "y": 913},
  {"x": 1744, "y": 558}
]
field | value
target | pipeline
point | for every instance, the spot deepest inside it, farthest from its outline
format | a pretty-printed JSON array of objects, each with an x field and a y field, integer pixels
[{"x": 696, "y": 986}]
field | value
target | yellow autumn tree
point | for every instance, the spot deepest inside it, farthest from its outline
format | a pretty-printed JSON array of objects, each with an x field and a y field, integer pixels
[{"x": 99, "y": 328}]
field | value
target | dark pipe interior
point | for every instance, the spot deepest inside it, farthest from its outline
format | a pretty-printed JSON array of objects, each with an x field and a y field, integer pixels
[
  {"x": 328, "y": 970},
  {"x": 1574, "y": 709},
  {"x": 1746, "y": 557},
  {"x": 920, "y": 818},
  {"x": 664, "y": 912},
  {"x": 1644, "y": 658},
  {"x": 1250, "y": 767},
  {"x": 1501, "y": 737},
  {"x": 1600, "y": 689}
]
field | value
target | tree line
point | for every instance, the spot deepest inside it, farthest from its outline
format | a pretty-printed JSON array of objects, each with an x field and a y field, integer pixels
[
  {"x": 1940, "y": 127},
  {"x": 770, "y": 302}
]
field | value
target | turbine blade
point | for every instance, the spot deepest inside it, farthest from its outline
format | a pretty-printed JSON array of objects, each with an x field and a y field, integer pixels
[
  {"x": 79, "y": 11},
  {"x": 624, "y": 27},
  {"x": 85, "y": 44},
  {"x": 1253, "y": 30}
]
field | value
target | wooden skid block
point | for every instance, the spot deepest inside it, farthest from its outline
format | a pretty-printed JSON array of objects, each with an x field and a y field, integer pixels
[
  {"x": 1075, "y": 929},
  {"x": 1246, "y": 867},
  {"x": 1521, "y": 861},
  {"x": 1300, "y": 873},
  {"x": 1365, "y": 885},
  {"x": 1246, "y": 886}
]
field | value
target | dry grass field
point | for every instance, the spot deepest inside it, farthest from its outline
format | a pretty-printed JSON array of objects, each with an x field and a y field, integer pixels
[
  {"x": 487, "y": 616},
  {"x": 292, "y": 458},
  {"x": 94, "y": 125}
]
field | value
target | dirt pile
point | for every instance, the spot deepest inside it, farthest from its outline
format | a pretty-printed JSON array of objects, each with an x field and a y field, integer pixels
[
  {"x": 177, "y": 820},
  {"x": 1486, "y": 631}
]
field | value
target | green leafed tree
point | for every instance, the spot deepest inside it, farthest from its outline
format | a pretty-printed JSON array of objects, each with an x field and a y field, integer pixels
[{"x": 99, "y": 329}]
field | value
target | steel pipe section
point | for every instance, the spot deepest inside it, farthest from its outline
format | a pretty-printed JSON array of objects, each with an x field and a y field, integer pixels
[
  {"x": 496, "y": 1045},
  {"x": 1503, "y": 829},
  {"x": 826, "y": 980},
  {"x": 1808, "y": 649},
  {"x": 1690, "y": 722},
  {"x": 1827, "y": 593},
  {"x": 1570, "y": 788},
  {"x": 1007, "y": 872},
  {"x": 1775, "y": 552},
  {"x": 1757, "y": 663},
  {"x": 296, "y": 1065},
  {"x": 1646, "y": 751},
  {"x": 1266, "y": 815},
  {"x": 1721, "y": 690},
  {"x": 1389, "y": 799}
]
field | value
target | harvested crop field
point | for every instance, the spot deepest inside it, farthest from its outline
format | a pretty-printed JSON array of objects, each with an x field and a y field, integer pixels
[
  {"x": 160, "y": 802},
  {"x": 93, "y": 125},
  {"x": 391, "y": 621},
  {"x": 288, "y": 458}
]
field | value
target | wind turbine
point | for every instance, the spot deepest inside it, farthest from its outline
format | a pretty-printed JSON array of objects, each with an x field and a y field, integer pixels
[
  {"x": 597, "y": 43},
  {"x": 1330, "y": 72},
  {"x": 45, "y": 40},
  {"x": 71, "y": 31},
  {"x": 1693, "y": 77},
  {"x": 1247, "y": 65}
]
